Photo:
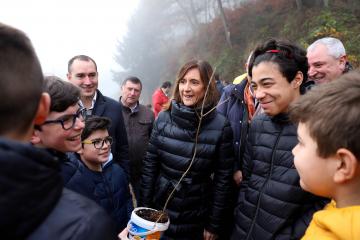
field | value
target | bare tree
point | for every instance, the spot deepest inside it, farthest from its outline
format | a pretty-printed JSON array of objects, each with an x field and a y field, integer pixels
[
  {"x": 190, "y": 14},
  {"x": 225, "y": 23}
]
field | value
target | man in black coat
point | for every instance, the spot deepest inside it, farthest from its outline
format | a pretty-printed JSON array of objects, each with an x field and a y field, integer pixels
[
  {"x": 82, "y": 72},
  {"x": 33, "y": 202}
]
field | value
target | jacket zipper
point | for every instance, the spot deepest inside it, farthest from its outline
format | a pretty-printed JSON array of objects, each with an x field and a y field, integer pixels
[
  {"x": 263, "y": 187},
  {"x": 108, "y": 190}
]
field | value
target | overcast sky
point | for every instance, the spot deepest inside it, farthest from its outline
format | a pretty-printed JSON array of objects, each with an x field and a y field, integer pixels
[{"x": 61, "y": 29}]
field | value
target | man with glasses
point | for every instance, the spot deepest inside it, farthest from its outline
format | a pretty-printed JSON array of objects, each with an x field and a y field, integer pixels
[
  {"x": 82, "y": 72},
  {"x": 96, "y": 177}
]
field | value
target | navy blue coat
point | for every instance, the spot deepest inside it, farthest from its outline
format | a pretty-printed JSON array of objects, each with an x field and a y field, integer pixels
[
  {"x": 107, "y": 107},
  {"x": 271, "y": 203},
  {"x": 109, "y": 188},
  {"x": 232, "y": 106},
  {"x": 34, "y": 205}
]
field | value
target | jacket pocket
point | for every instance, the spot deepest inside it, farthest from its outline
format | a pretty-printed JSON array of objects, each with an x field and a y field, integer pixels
[{"x": 145, "y": 127}]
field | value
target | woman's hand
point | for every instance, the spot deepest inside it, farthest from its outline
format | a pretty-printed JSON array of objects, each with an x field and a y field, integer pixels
[
  {"x": 123, "y": 235},
  {"x": 209, "y": 236},
  {"x": 238, "y": 177}
]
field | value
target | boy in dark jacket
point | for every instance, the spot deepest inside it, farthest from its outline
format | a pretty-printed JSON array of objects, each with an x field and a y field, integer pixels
[
  {"x": 33, "y": 203},
  {"x": 97, "y": 177}
]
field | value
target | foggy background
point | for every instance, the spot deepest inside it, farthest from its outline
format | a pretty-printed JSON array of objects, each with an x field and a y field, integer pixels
[
  {"x": 61, "y": 29},
  {"x": 151, "y": 39}
]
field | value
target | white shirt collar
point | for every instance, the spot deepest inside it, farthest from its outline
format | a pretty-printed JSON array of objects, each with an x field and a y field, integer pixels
[{"x": 92, "y": 102}]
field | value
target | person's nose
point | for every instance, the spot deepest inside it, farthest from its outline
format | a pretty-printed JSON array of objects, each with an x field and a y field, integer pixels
[
  {"x": 259, "y": 93},
  {"x": 79, "y": 124},
  {"x": 106, "y": 145},
  {"x": 87, "y": 80},
  {"x": 311, "y": 71},
  {"x": 187, "y": 86},
  {"x": 293, "y": 151}
]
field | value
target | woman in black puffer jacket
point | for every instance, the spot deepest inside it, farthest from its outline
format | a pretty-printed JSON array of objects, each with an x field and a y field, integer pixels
[
  {"x": 200, "y": 202},
  {"x": 271, "y": 203}
]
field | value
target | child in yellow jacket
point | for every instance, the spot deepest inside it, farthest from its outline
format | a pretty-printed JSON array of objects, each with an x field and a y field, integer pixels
[{"x": 327, "y": 156}]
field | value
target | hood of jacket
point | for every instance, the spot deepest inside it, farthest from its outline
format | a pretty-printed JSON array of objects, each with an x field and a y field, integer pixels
[
  {"x": 335, "y": 223},
  {"x": 30, "y": 187}
]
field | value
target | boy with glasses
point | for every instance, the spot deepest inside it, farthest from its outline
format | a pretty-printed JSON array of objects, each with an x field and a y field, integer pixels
[
  {"x": 61, "y": 131},
  {"x": 97, "y": 177}
]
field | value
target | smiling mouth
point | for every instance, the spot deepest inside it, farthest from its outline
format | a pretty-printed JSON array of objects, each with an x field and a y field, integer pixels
[
  {"x": 188, "y": 97},
  {"x": 106, "y": 154},
  {"x": 75, "y": 138},
  {"x": 264, "y": 104}
]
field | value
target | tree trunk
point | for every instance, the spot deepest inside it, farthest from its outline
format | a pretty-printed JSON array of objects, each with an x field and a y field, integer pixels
[
  {"x": 225, "y": 23},
  {"x": 326, "y": 3},
  {"x": 299, "y": 5}
]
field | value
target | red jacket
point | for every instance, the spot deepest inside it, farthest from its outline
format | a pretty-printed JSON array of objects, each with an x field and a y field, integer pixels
[{"x": 158, "y": 100}]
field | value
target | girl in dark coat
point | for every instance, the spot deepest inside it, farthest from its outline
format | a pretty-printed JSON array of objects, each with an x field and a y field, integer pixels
[
  {"x": 198, "y": 206},
  {"x": 271, "y": 203}
]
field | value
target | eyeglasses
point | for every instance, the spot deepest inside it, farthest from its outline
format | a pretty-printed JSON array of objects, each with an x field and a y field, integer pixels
[
  {"x": 68, "y": 121},
  {"x": 99, "y": 142}
]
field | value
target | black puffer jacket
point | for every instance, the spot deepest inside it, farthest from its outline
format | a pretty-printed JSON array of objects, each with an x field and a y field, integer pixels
[
  {"x": 202, "y": 198},
  {"x": 34, "y": 204},
  {"x": 271, "y": 203},
  {"x": 109, "y": 189}
]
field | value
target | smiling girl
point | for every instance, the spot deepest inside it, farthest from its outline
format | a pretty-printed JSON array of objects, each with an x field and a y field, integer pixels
[{"x": 271, "y": 203}]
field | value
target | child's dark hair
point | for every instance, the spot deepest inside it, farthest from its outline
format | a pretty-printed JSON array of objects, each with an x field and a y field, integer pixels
[
  {"x": 21, "y": 81},
  {"x": 94, "y": 123},
  {"x": 289, "y": 57},
  {"x": 63, "y": 94}
]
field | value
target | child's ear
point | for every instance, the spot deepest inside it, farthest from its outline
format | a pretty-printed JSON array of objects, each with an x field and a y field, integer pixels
[
  {"x": 43, "y": 109},
  {"x": 298, "y": 79},
  {"x": 35, "y": 139},
  {"x": 347, "y": 165}
]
